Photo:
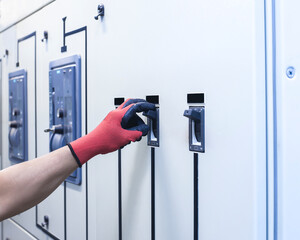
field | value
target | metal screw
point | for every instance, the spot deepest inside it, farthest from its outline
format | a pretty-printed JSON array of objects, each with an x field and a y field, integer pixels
[{"x": 290, "y": 72}]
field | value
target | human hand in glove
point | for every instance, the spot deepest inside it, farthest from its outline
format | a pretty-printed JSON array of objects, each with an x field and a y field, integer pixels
[{"x": 120, "y": 127}]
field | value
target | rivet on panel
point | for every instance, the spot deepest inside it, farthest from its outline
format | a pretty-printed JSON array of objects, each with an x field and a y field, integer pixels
[{"x": 290, "y": 72}]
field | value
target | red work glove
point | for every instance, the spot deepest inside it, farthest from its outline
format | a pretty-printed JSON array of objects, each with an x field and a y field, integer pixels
[{"x": 119, "y": 128}]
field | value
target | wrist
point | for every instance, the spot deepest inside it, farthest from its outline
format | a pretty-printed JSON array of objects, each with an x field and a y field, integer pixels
[
  {"x": 74, "y": 155},
  {"x": 82, "y": 150}
]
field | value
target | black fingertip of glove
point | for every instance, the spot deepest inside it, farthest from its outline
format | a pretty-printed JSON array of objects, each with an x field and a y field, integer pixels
[
  {"x": 129, "y": 122},
  {"x": 131, "y": 119},
  {"x": 131, "y": 101},
  {"x": 144, "y": 129},
  {"x": 141, "y": 107}
]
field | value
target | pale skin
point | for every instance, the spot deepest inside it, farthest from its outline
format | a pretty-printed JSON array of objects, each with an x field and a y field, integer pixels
[{"x": 22, "y": 186}]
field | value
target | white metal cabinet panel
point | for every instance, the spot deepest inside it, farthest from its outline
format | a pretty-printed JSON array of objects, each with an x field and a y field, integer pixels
[
  {"x": 288, "y": 114},
  {"x": 76, "y": 194},
  {"x": 14, "y": 232},
  {"x": 76, "y": 209},
  {"x": 214, "y": 47},
  {"x": 103, "y": 197},
  {"x": 45, "y": 53},
  {"x": 136, "y": 205},
  {"x": 26, "y": 61},
  {"x": 53, "y": 207},
  {"x": 26, "y": 53}
]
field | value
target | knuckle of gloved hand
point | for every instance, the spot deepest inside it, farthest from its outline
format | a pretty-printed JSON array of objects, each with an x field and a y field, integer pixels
[
  {"x": 133, "y": 138},
  {"x": 109, "y": 116}
]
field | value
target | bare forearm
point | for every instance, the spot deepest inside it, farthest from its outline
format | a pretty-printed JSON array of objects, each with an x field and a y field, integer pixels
[{"x": 24, "y": 185}]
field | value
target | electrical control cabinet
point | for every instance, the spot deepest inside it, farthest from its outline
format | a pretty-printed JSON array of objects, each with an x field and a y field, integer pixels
[
  {"x": 18, "y": 131},
  {"x": 133, "y": 55},
  {"x": 65, "y": 106}
]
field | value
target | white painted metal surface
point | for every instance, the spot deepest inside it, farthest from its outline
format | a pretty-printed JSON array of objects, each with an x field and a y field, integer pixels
[
  {"x": 288, "y": 113},
  {"x": 15, "y": 232},
  {"x": 170, "y": 49}
]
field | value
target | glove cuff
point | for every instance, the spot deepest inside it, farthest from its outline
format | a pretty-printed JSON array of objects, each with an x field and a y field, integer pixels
[
  {"x": 83, "y": 149},
  {"x": 74, "y": 155}
]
